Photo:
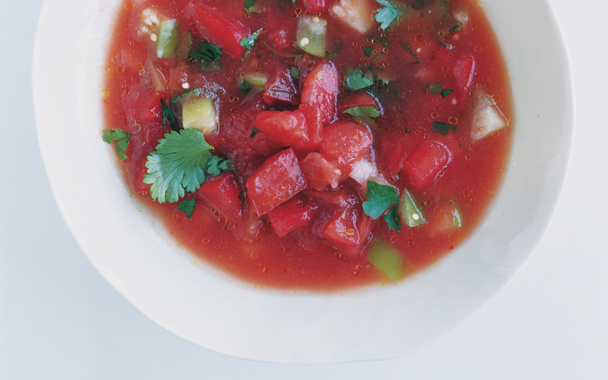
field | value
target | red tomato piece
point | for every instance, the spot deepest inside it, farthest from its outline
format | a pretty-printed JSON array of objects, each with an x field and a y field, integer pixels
[
  {"x": 221, "y": 30},
  {"x": 349, "y": 231},
  {"x": 464, "y": 72},
  {"x": 392, "y": 154},
  {"x": 320, "y": 90},
  {"x": 148, "y": 107},
  {"x": 277, "y": 180},
  {"x": 280, "y": 88},
  {"x": 316, "y": 5},
  {"x": 319, "y": 172},
  {"x": 291, "y": 215},
  {"x": 357, "y": 99},
  {"x": 314, "y": 123},
  {"x": 423, "y": 166},
  {"x": 344, "y": 143},
  {"x": 284, "y": 128},
  {"x": 283, "y": 37},
  {"x": 223, "y": 193}
]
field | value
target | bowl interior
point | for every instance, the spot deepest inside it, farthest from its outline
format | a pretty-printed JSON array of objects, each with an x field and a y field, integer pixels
[{"x": 210, "y": 309}]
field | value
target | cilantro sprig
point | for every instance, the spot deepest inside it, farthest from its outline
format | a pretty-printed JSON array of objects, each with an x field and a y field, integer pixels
[
  {"x": 187, "y": 207},
  {"x": 122, "y": 140},
  {"x": 380, "y": 199},
  {"x": 179, "y": 164},
  {"x": 354, "y": 79},
  {"x": 392, "y": 12},
  {"x": 443, "y": 128},
  {"x": 248, "y": 43},
  {"x": 436, "y": 89},
  {"x": 369, "y": 111}
]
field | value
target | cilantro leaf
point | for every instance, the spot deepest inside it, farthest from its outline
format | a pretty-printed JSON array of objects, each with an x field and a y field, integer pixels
[
  {"x": 177, "y": 165},
  {"x": 249, "y": 4},
  {"x": 206, "y": 51},
  {"x": 445, "y": 93},
  {"x": 169, "y": 115},
  {"x": 363, "y": 111},
  {"x": 392, "y": 218},
  {"x": 392, "y": 11},
  {"x": 368, "y": 51},
  {"x": 244, "y": 87},
  {"x": 248, "y": 43},
  {"x": 433, "y": 88},
  {"x": 187, "y": 206},
  {"x": 381, "y": 197},
  {"x": 254, "y": 132},
  {"x": 218, "y": 165},
  {"x": 355, "y": 80},
  {"x": 122, "y": 140},
  {"x": 443, "y": 128},
  {"x": 194, "y": 91}
]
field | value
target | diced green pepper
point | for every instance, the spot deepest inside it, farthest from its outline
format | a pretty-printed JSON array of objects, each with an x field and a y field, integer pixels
[
  {"x": 200, "y": 113},
  {"x": 386, "y": 258},
  {"x": 410, "y": 213},
  {"x": 167, "y": 39},
  {"x": 311, "y": 35}
]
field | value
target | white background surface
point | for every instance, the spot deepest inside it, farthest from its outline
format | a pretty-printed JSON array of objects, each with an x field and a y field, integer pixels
[{"x": 60, "y": 320}]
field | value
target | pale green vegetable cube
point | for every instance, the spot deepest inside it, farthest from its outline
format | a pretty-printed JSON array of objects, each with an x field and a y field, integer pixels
[{"x": 200, "y": 113}]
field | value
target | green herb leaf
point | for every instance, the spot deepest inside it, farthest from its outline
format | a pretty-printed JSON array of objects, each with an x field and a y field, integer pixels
[
  {"x": 355, "y": 80},
  {"x": 177, "y": 165},
  {"x": 218, "y": 165},
  {"x": 368, "y": 51},
  {"x": 381, "y": 197},
  {"x": 122, "y": 140},
  {"x": 249, "y": 4},
  {"x": 248, "y": 43},
  {"x": 369, "y": 111},
  {"x": 169, "y": 115},
  {"x": 392, "y": 218},
  {"x": 295, "y": 73},
  {"x": 187, "y": 206},
  {"x": 443, "y": 128},
  {"x": 445, "y": 93},
  {"x": 194, "y": 91},
  {"x": 254, "y": 132},
  {"x": 433, "y": 88},
  {"x": 391, "y": 12},
  {"x": 206, "y": 52}
]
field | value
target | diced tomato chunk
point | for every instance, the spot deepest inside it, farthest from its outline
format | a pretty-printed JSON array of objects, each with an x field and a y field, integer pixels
[
  {"x": 291, "y": 215},
  {"x": 316, "y": 5},
  {"x": 223, "y": 193},
  {"x": 280, "y": 88},
  {"x": 344, "y": 143},
  {"x": 423, "y": 166},
  {"x": 391, "y": 154},
  {"x": 221, "y": 30},
  {"x": 320, "y": 90},
  {"x": 314, "y": 123},
  {"x": 284, "y": 128},
  {"x": 283, "y": 37},
  {"x": 357, "y": 99},
  {"x": 349, "y": 231},
  {"x": 319, "y": 172},
  {"x": 464, "y": 72},
  {"x": 148, "y": 107},
  {"x": 277, "y": 180}
]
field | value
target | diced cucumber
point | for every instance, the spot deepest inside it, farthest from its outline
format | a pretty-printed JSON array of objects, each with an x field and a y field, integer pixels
[
  {"x": 184, "y": 44},
  {"x": 256, "y": 79},
  {"x": 409, "y": 212},
  {"x": 447, "y": 217},
  {"x": 487, "y": 118},
  {"x": 167, "y": 39},
  {"x": 200, "y": 113},
  {"x": 311, "y": 35},
  {"x": 386, "y": 258}
]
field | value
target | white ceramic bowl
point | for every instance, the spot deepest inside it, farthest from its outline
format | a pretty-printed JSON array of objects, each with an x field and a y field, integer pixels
[{"x": 220, "y": 313}]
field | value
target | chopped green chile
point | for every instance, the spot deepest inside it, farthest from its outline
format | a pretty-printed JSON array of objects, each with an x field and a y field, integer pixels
[
  {"x": 311, "y": 35},
  {"x": 386, "y": 258},
  {"x": 410, "y": 213},
  {"x": 167, "y": 39}
]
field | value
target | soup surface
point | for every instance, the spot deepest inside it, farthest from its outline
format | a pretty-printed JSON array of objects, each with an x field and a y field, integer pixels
[{"x": 310, "y": 144}]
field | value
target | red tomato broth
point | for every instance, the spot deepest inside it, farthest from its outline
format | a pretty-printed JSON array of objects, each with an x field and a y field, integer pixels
[{"x": 302, "y": 260}]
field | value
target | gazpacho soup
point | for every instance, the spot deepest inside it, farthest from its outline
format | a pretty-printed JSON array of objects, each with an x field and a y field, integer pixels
[{"x": 310, "y": 144}]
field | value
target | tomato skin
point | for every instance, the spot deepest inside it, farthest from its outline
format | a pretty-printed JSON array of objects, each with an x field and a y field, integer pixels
[
  {"x": 148, "y": 107},
  {"x": 277, "y": 180},
  {"x": 316, "y": 5},
  {"x": 223, "y": 193},
  {"x": 344, "y": 143},
  {"x": 284, "y": 128},
  {"x": 221, "y": 30},
  {"x": 291, "y": 215},
  {"x": 349, "y": 231},
  {"x": 320, "y": 90},
  {"x": 281, "y": 88},
  {"x": 314, "y": 123},
  {"x": 357, "y": 99},
  {"x": 319, "y": 172},
  {"x": 464, "y": 72},
  {"x": 423, "y": 166}
]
